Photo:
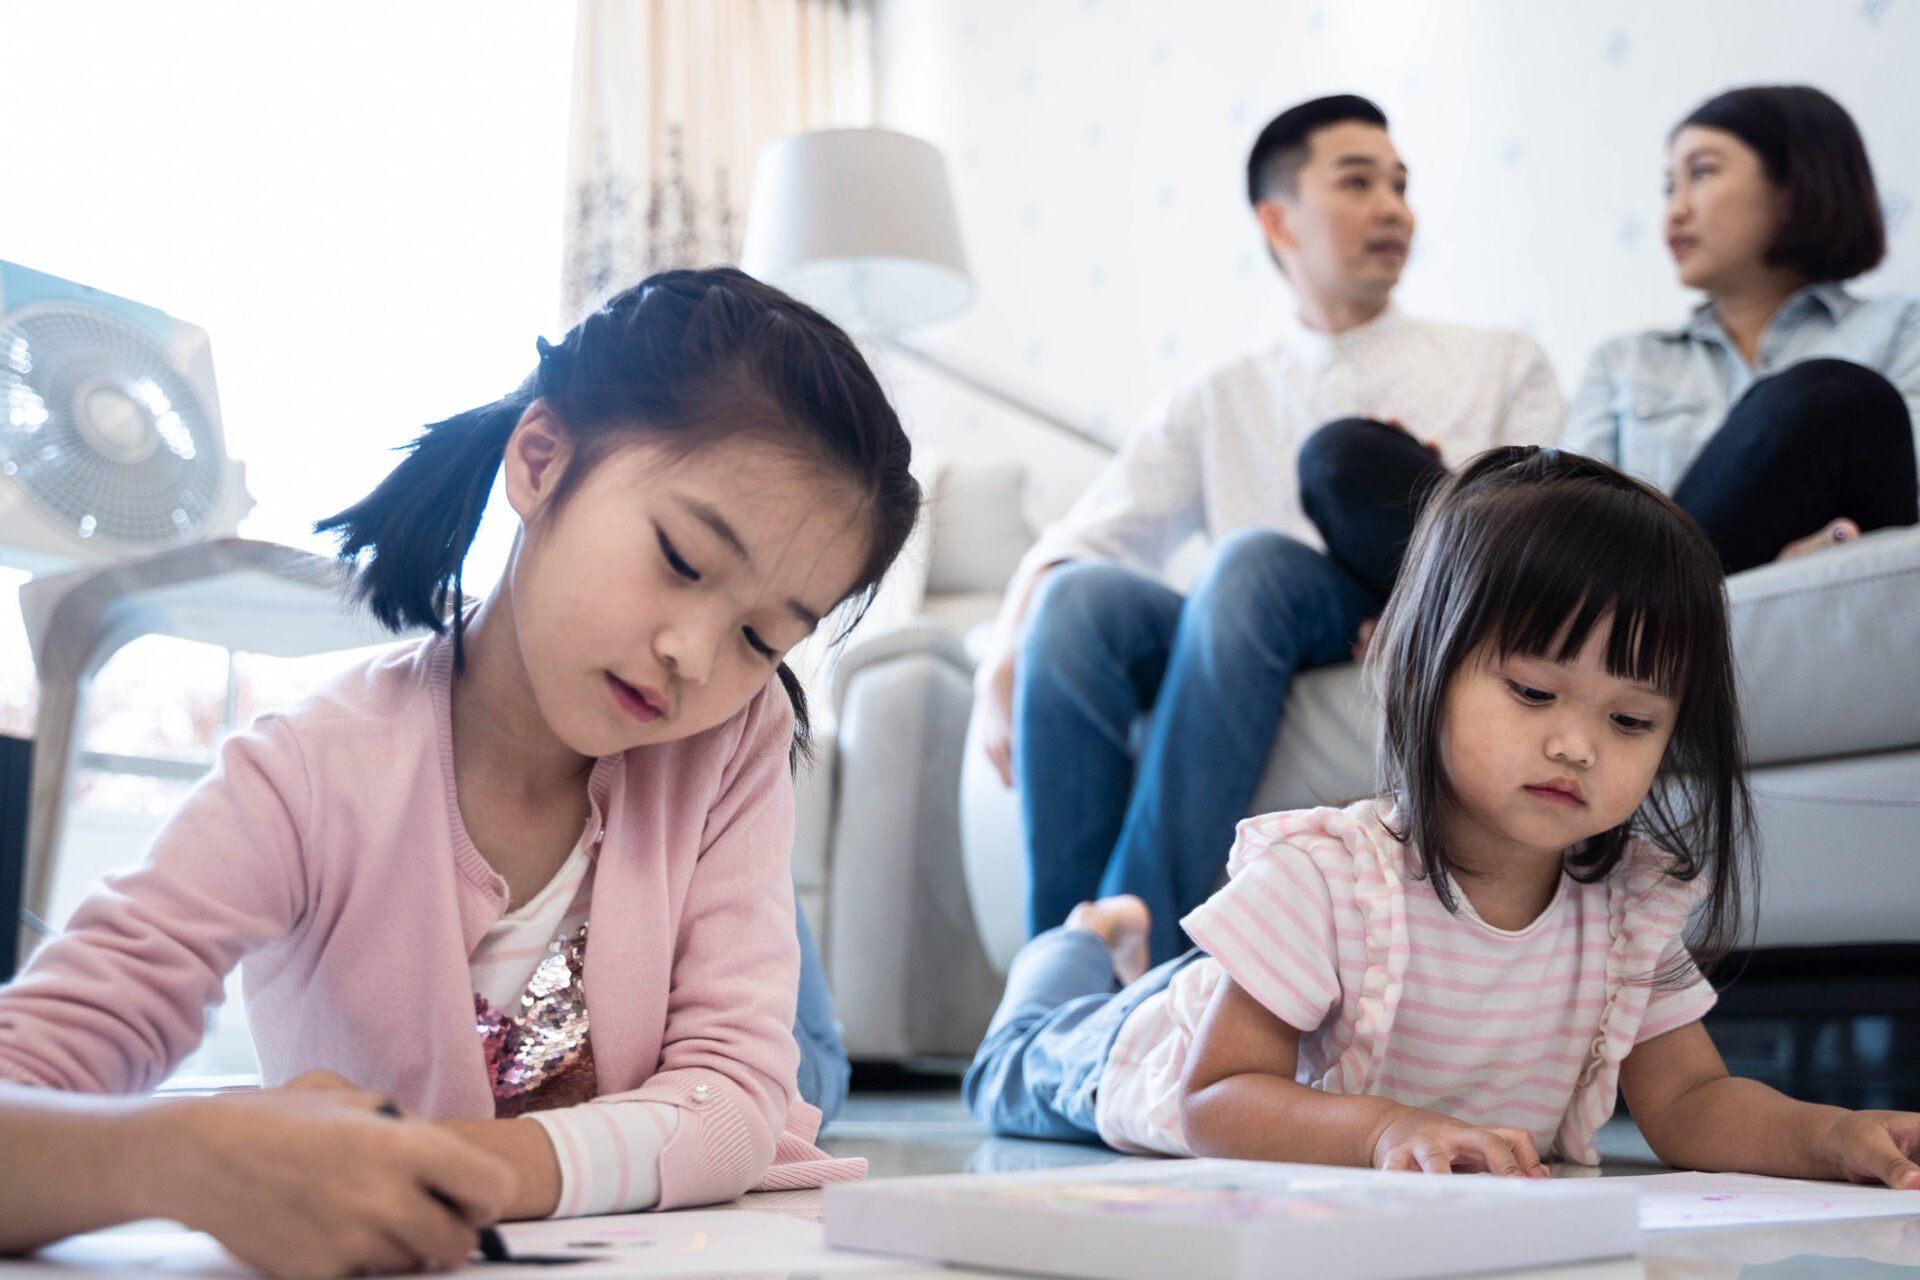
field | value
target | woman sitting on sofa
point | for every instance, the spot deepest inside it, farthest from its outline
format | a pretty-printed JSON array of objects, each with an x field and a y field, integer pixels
[{"x": 1781, "y": 414}]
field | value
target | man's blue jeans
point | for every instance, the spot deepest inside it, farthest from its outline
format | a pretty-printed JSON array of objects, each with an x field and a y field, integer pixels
[{"x": 1212, "y": 669}]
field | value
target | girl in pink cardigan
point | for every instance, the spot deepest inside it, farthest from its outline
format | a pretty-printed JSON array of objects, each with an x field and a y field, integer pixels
[{"x": 526, "y": 881}]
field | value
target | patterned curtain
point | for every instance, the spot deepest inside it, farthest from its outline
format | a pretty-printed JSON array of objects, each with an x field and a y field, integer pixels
[{"x": 672, "y": 100}]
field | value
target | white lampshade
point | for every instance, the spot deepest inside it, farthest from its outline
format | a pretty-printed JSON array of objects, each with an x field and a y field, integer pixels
[{"x": 859, "y": 223}]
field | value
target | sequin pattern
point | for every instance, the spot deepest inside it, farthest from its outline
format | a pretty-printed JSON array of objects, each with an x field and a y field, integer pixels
[{"x": 541, "y": 1057}]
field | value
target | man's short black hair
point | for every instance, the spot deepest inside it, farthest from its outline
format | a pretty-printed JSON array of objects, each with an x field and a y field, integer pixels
[
  {"x": 1273, "y": 167},
  {"x": 1811, "y": 149}
]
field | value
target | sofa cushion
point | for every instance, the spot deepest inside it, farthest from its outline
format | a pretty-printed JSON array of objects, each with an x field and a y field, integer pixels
[
  {"x": 979, "y": 527},
  {"x": 1838, "y": 858},
  {"x": 1826, "y": 646}
]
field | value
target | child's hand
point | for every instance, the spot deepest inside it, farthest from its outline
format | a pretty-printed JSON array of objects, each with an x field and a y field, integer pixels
[
  {"x": 1415, "y": 1140},
  {"x": 1875, "y": 1146},
  {"x": 317, "y": 1182}
]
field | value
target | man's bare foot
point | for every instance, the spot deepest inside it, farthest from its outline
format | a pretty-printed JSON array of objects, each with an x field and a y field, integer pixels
[
  {"x": 1836, "y": 533},
  {"x": 1122, "y": 922}
]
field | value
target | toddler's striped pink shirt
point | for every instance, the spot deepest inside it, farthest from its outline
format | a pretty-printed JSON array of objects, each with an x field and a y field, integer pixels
[{"x": 1327, "y": 923}]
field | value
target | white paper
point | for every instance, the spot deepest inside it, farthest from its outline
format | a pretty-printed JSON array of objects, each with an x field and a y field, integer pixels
[
  {"x": 704, "y": 1243},
  {"x": 675, "y": 1244},
  {"x": 1682, "y": 1201}
]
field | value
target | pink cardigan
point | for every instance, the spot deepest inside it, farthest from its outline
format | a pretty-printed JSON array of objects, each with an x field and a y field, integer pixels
[{"x": 327, "y": 857}]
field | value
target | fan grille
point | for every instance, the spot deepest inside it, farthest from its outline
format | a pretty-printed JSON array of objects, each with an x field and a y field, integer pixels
[{"x": 101, "y": 431}]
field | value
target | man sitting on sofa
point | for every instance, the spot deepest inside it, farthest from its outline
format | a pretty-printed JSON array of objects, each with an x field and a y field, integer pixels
[{"x": 1293, "y": 463}]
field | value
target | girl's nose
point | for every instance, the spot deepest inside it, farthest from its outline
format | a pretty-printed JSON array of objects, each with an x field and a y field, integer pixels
[
  {"x": 1571, "y": 747},
  {"x": 687, "y": 653}
]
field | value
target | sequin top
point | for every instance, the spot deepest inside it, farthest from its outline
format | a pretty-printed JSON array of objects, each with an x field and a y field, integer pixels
[
  {"x": 531, "y": 1013},
  {"x": 539, "y": 1055},
  {"x": 530, "y": 1001}
]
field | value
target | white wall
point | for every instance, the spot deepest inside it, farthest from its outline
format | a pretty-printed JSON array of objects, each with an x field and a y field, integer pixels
[{"x": 1098, "y": 148}]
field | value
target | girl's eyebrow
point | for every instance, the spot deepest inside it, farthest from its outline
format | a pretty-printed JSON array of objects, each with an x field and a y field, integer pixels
[
  {"x": 722, "y": 530},
  {"x": 1651, "y": 690}
]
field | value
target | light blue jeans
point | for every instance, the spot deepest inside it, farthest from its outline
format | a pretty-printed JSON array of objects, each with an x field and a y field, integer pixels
[
  {"x": 1037, "y": 1074},
  {"x": 823, "y": 1058}
]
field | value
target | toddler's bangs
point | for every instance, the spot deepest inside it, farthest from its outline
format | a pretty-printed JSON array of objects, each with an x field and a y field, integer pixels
[{"x": 1562, "y": 561}]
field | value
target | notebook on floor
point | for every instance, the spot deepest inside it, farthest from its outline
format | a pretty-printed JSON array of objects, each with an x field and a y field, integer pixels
[{"x": 1235, "y": 1220}]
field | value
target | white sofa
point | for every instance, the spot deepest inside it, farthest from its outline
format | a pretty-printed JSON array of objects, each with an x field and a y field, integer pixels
[
  {"x": 877, "y": 857},
  {"x": 921, "y": 866}
]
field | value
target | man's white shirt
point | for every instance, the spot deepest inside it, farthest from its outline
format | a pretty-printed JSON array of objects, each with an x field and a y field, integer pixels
[{"x": 1221, "y": 455}]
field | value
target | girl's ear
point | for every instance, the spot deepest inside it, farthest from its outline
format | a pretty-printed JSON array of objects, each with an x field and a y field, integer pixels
[{"x": 536, "y": 458}]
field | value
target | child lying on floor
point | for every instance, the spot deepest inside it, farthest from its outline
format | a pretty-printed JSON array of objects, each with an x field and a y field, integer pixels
[{"x": 1463, "y": 973}]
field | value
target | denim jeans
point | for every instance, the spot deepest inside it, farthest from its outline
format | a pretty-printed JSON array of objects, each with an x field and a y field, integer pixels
[
  {"x": 1212, "y": 670},
  {"x": 1037, "y": 1073},
  {"x": 1106, "y": 643},
  {"x": 824, "y": 1069}
]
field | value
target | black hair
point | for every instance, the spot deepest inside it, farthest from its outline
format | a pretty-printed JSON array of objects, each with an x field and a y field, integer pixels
[
  {"x": 1810, "y": 148},
  {"x": 684, "y": 356},
  {"x": 1273, "y": 166},
  {"x": 1526, "y": 551}
]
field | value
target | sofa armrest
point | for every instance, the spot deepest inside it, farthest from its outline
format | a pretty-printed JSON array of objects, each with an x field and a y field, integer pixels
[
  {"x": 902, "y": 952},
  {"x": 889, "y": 644},
  {"x": 1825, "y": 647}
]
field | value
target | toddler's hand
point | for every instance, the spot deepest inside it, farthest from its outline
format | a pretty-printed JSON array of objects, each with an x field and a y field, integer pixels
[
  {"x": 1876, "y": 1147},
  {"x": 1415, "y": 1140}
]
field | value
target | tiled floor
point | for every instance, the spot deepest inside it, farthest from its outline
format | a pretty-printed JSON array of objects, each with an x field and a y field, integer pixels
[{"x": 926, "y": 1129}]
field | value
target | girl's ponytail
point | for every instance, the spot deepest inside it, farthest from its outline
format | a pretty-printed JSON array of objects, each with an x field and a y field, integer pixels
[{"x": 411, "y": 534}]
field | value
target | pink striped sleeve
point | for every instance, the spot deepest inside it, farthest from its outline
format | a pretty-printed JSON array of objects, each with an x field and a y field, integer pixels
[
  {"x": 1670, "y": 1007},
  {"x": 1272, "y": 930}
]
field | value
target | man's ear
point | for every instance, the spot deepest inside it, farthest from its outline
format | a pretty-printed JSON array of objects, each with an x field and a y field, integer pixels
[
  {"x": 536, "y": 458},
  {"x": 1276, "y": 226}
]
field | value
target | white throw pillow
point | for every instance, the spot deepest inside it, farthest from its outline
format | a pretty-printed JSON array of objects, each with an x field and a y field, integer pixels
[{"x": 979, "y": 526}]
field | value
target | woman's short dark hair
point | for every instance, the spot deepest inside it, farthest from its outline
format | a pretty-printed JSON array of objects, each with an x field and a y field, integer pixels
[
  {"x": 1811, "y": 149},
  {"x": 685, "y": 358},
  {"x": 1528, "y": 551}
]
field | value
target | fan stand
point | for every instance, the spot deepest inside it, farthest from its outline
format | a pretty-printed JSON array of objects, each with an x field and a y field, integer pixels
[{"x": 259, "y": 597}]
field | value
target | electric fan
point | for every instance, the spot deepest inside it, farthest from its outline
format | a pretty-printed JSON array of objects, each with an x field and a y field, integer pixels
[
  {"x": 117, "y": 493},
  {"x": 110, "y": 439}
]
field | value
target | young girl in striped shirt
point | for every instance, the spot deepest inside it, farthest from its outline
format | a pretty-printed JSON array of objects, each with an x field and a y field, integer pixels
[
  {"x": 1464, "y": 973},
  {"x": 520, "y": 894}
]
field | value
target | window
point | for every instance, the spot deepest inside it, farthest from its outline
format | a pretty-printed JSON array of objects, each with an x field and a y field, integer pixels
[{"x": 362, "y": 204}]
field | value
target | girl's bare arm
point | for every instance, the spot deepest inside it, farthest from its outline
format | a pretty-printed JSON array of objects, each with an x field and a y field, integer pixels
[
  {"x": 1696, "y": 1116},
  {"x": 1239, "y": 1100}
]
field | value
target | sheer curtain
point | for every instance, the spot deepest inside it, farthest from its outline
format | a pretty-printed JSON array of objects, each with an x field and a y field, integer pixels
[{"x": 672, "y": 100}]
